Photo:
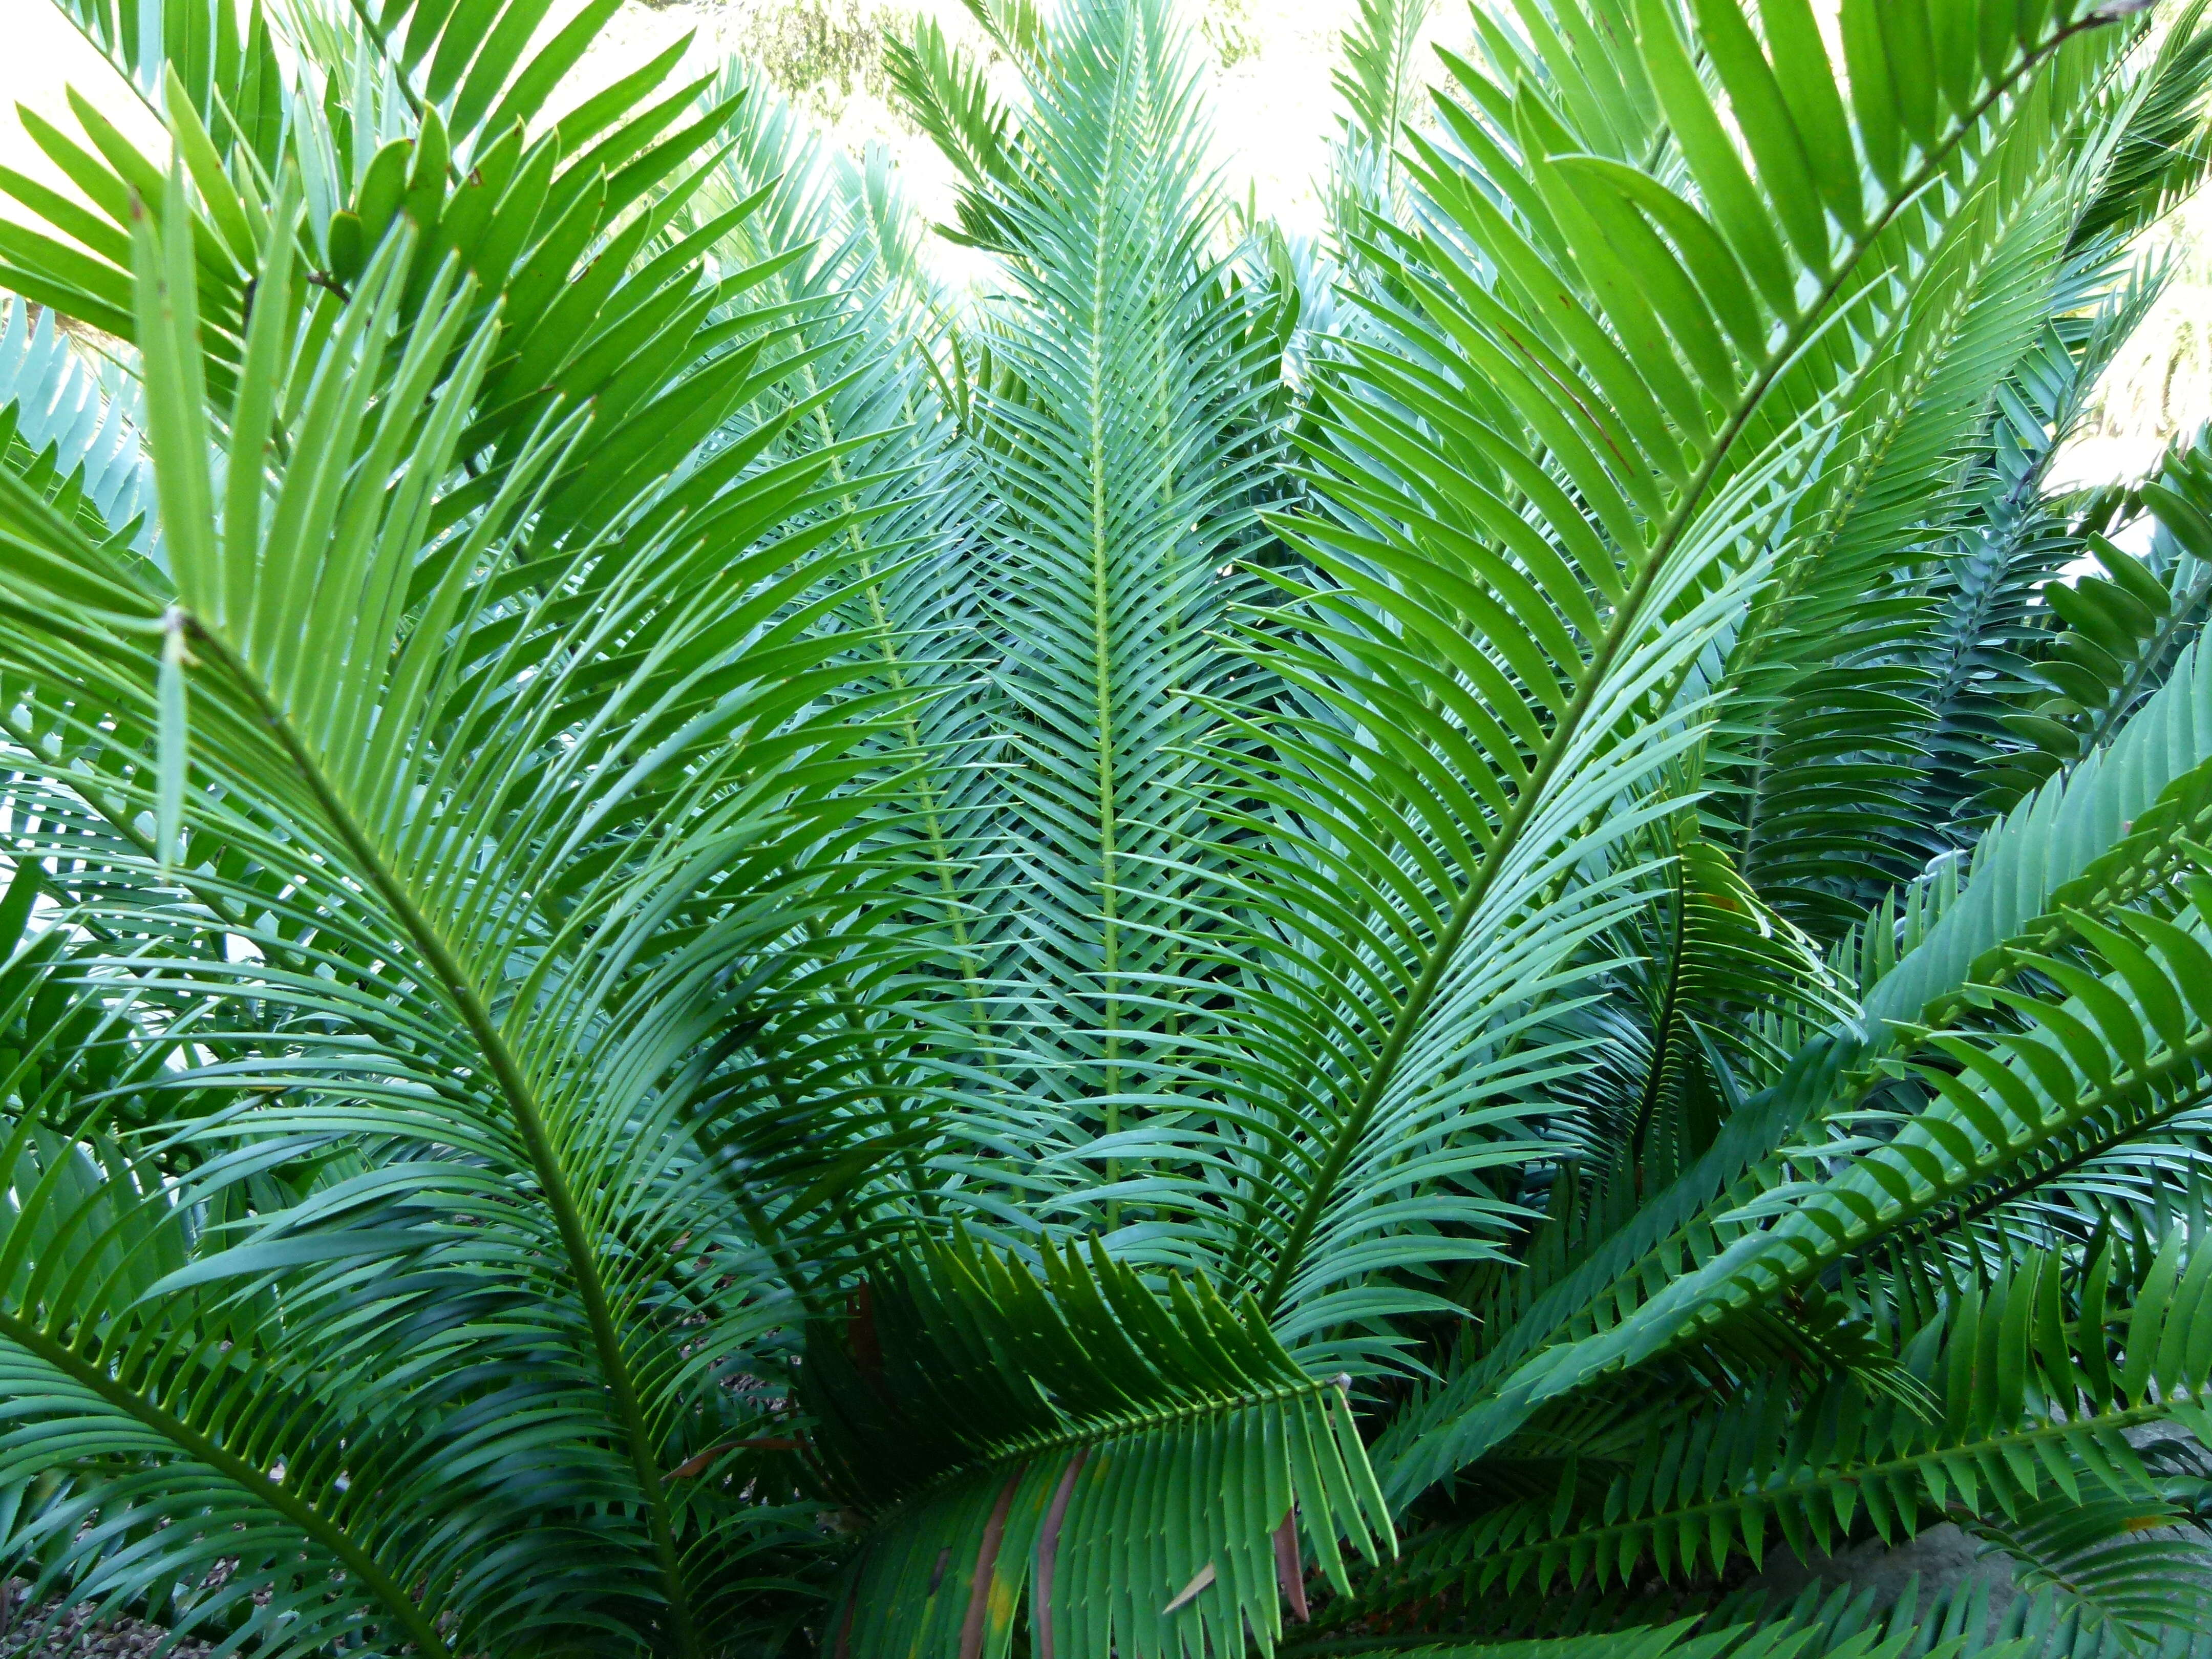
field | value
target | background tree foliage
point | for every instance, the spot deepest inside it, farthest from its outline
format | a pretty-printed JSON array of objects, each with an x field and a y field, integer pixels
[{"x": 1413, "y": 941}]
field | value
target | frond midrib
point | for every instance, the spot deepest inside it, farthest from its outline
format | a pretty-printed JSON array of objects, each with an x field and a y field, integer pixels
[
  {"x": 1627, "y": 618},
  {"x": 1098, "y": 1428},
  {"x": 1812, "y": 318},
  {"x": 521, "y": 1101},
  {"x": 1810, "y": 1484},
  {"x": 190, "y": 1441}
]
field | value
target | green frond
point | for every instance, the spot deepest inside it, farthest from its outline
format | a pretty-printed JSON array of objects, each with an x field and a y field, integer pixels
[
  {"x": 2077, "y": 841},
  {"x": 2025, "y": 1391},
  {"x": 2094, "y": 1554},
  {"x": 1968, "y": 1622},
  {"x": 1379, "y": 84},
  {"x": 1140, "y": 1466},
  {"x": 945, "y": 93},
  {"x": 515, "y": 781},
  {"x": 1455, "y": 774},
  {"x": 1989, "y": 622},
  {"x": 2165, "y": 145},
  {"x": 2014, "y": 1094},
  {"x": 2072, "y": 849},
  {"x": 71, "y": 439},
  {"x": 1826, "y": 744},
  {"x": 2111, "y": 638},
  {"x": 1377, "y": 80},
  {"x": 1118, "y": 453},
  {"x": 836, "y": 242}
]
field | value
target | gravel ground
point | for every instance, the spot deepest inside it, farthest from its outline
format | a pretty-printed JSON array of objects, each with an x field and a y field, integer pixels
[{"x": 73, "y": 1635}]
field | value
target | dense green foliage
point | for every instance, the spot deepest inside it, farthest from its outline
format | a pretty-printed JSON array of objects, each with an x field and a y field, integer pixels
[{"x": 1423, "y": 938}]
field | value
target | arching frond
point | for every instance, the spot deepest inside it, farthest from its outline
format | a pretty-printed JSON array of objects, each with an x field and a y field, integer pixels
[
  {"x": 492, "y": 795},
  {"x": 2029, "y": 1392},
  {"x": 1151, "y": 1472}
]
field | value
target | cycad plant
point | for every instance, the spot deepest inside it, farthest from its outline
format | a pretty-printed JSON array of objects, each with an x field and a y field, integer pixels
[{"x": 1422, "y": 938}]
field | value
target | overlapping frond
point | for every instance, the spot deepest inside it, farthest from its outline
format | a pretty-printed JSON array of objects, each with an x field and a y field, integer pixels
[
  {"x": 2079, "y": 845},
  {"x": 1149, "y": 1471},
  {"x": 2016, "y": 540},
  {"x": 2121, "y": 1562},
  {"x": 1549, "y": 497},
  {"x": 947, "y": 93},
  {"x": 2109, "y": 637},
  {"x": 1924, "y": 529},
  {"x": 838, "y": 242},
  {"x": 1830, "y": 688},
  {"x": 1117, "y": 454},
  {"x": 480, "y": 780},
  {"x": 2026, "y": 1393}
]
